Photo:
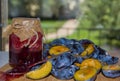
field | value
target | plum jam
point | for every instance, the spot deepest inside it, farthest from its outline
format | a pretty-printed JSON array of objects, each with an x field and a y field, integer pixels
[
  {"x": 25, "y": 42},
  {"x": 25, "y": 47},
  {"x": 20, "y": 54}
]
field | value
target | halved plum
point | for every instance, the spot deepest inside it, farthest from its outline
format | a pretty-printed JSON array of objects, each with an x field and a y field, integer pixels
[
  {"x": 111, "y": 71},
  {"x": 85, "y": 74}
]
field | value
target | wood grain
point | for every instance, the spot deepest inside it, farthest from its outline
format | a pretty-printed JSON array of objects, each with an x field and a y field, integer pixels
[{"x": 100, "y": 77}]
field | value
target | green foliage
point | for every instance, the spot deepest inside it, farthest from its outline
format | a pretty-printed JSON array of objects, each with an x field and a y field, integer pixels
[
  {"x": 102, "y": 14},
  {"x": 50, "y": 26},
  {"x": 86, "y": 33}
]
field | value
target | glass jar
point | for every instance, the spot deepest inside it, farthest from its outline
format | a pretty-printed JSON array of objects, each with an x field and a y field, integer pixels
[{"x": 25, "y": 42}]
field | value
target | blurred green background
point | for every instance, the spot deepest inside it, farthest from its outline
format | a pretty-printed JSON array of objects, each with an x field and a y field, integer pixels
[{"x": 99, "y": 20}]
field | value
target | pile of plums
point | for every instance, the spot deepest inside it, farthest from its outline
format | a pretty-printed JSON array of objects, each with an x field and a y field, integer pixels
[{"x": 63, "y": 65}]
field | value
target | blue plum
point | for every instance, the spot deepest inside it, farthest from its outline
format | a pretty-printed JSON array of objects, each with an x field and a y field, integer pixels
[
  {"x": 111, "y": 71},
  {"x": 35, "y": 67},
  {"x": 64, "y": 73},
  {"x": 79, "y": 59},
  {"x": 111, "y": 74},
  {"x": 85, "y": 41},
  {"x": 63, "y": 60},
  {"x": 45, "y": 52},
  {"x": 104, "y": 57},
  {"x": 60, "y": 41}
]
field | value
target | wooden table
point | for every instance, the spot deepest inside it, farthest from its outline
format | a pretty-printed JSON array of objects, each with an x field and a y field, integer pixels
[{"x": 100, "y": 77}]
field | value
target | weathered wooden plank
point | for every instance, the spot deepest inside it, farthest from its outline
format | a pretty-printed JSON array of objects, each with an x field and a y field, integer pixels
[
  {"x": 0, "y": 27},
  {"x": 3, "y": 20}
]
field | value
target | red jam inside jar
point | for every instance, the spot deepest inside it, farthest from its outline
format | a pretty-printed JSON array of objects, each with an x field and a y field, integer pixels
[
  {"x": 19, "y": 54},
  {"x": 25, "y": 42},
  {"x": 25, "y": 47}
]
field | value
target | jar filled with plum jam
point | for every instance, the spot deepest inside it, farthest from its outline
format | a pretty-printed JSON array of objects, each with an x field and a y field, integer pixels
[{"x": 25, "y": 42}]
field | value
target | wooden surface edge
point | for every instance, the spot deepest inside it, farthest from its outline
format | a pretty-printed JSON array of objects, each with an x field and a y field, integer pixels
[{"x": 99, "y": 77}]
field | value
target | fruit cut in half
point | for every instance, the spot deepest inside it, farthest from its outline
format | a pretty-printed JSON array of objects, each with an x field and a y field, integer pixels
[
  {"x": 41, "y": 72},
  {"x": 89, "y": 49},
  {"x": 92, "y": 63},
  {"x": 111, "y": 71},
  {"x": 85, "y": 74},
  {"x": 56, "y": 50}
]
